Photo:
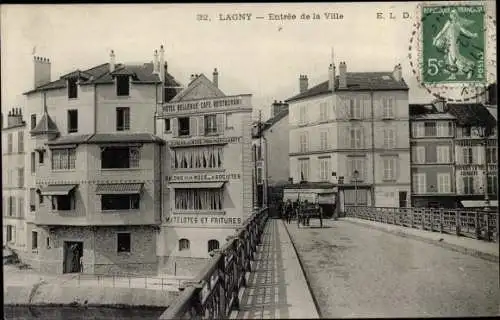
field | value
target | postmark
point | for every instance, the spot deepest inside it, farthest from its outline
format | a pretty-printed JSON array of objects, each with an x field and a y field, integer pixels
[{"x": 452, "y": 49}]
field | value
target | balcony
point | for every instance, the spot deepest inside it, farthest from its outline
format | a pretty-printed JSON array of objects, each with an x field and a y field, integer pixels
[{"x": 60, "y": 218}]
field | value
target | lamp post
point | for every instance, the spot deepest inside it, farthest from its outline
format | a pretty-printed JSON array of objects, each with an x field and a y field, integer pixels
[
  {"x": 484, "y": 132},
  {"x": 355, "y": 176}
]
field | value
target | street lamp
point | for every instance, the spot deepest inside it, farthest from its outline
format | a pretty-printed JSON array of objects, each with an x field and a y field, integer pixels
[
  {"x": 484, "y": 132},
  {"x": 355, "y": 176}
]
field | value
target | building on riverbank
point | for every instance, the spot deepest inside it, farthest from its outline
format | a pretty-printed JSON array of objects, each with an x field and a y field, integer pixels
[{"x": 207, "y": 170}]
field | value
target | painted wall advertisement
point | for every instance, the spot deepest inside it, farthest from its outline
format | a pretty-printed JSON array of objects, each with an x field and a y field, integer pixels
[{"x": 204, "y": 220}]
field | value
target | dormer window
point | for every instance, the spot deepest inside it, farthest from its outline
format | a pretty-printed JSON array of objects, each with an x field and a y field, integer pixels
[
  {"x": 122, "y": 86},
  {"x": 72, "y": 88}
]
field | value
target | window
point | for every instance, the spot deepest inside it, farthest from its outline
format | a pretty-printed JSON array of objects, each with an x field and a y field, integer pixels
[
  {"x": 323, "y": 137},
  {"x": 33, "y": 121},
  {"x": 492, "y": 184},
  {"x": 72, "y": 88},
  {"x": 123, "y": 242},
  {"x": 389, "y": 139},
  {"x": 229, "y": 121},
  {"x": 20, "y": 141},
  {"x": 466, "y": 131},
  {"x": 259, "y": 175},
  {"x": 33, "y": 197},
  {"x": 199, "y": 199},
  {"x": 430, "y": 129},
  {"x": 324, "y": 169},
  {"x": 356, "y": 138},
  {"x": 20, "y": 177},
  {"x": 184, "y": 126},
  {"x": 12, "y": 206},
  {"x": 167, "y": 125},
  {"x": 304, "y": 169},
  {"x": 9, "y": 143},
  {"x": 122, "y": 86},
  {"x": 40, "y": 196},
  {"x": 323, "y": 111},
  {"x": 467, "y": 155},
  {"x": 303, "y": 143},
  {"x": 444, "y": 183},
  {"x": 419, "y": 183},
  {"x": 354, "y": 108},
  {"x": 356, "y": 163},
  {"x": 302, "y": 115},
  {"x": 491, "y": 155},
  {"x": 33, "y": 162},
  {"x": 34, "y": 240},
  {"x": 120, "y": 202},
  {"x": 213, "y": 245},
  {"x": 41, "y": 155},
  {"x": 443, "y": 154},
  {"x": 72, "y": 121},
  {"x": 183, "y": 244},
  {"x": 388, "y": 107},
  {"x": 120, "y": 157},
  {"x": 122, "y": 119},
  {"x": 63, "y": 159},
  {"x": 64, "y": 202},
  {"x": 21, "y": 207},
  {"x": 468, "y": 184},
  {"x": 210, "y": 124},
  {"x": 390, "y": 168},
  {"x": 418, "y": 130},
  {"x": 444, "y": 129},
  {"x": 10, "y": 233},
  {"x": 200, "y": 157}
]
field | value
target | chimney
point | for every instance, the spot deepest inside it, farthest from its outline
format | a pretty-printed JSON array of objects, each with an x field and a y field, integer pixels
[
  {"x": 42, "y": 71},
  {"x": 440, "y": 105},
  {"x": 303, "y": 83},
  {"x": 331, "y": 77},
  {"x": 15, "y": 117},
  {"x": 342, "y": 75},
  {"x": 112, "y": 61},
  {"x": 397, "y": 74},
  {"x": 156, "y": 67},
  {"x": 278, "y": 107},
  {"x": 216, "y": 78},
  {"x": 192, "y": 77},
  {"x": 161, "y": 68}
]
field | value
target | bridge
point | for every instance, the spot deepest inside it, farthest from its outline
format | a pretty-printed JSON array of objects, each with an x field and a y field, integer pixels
[{"x": 386, "y": 262}]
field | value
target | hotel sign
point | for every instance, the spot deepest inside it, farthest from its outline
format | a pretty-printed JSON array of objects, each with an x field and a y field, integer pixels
[
  {"x": 202, "y": 105},
  {"x": 204, "y": 220},
  {"x": 204, "y": 177},
  {"x": 203, "y": 141}
]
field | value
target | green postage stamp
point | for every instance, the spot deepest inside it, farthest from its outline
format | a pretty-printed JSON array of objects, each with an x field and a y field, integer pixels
[{"x": 453, "y": 44}]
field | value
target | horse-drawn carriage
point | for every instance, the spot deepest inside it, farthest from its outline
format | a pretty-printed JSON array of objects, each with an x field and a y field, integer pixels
[{"x": 308, "y": 211}]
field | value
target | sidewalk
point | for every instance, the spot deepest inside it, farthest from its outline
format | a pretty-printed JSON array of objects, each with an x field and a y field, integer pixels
[
  {"x": 482, "y": 249},
  {"x": 277, "y": 288}
]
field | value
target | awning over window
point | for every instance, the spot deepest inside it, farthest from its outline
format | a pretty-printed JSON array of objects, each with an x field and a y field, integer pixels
[
  {"x": 119, "y": 188},
  {"x": 198, "y": 185},
  {"x": 57, "y": 189},
  {"x": 478, "y": 203}
]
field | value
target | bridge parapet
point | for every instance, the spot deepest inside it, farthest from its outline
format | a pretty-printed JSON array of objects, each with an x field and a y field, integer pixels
[
  {"x": 478, "y": 224},
  {"x": 214, "y": 292}
]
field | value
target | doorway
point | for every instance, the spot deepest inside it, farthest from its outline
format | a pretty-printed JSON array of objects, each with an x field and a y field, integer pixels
[
  {"x": 72, "y": 252},
  {"x": 402, "y": 199}
]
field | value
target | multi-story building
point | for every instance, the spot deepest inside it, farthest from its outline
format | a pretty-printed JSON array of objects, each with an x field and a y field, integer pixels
[
  {"x": 95, "y": 165},
  {"x": 432, "y": 156},
  {"x": 13, "y": 184},
  {"x": 355, "y": 126},
  {"x": 476, "y": 155},
  {"x": 207, "y": 170},
  {"x": 270, "y": 152}
]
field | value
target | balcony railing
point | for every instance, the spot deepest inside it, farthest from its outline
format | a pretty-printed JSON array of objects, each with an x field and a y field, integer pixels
[
  {"x": 214, "y": 293},
  {"x": 473, "y": 224}
]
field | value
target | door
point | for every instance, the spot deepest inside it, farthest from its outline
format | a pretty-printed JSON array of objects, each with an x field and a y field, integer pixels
[
  {"x": 402, "y": 199},
  {"x": 72, "y": 252}
]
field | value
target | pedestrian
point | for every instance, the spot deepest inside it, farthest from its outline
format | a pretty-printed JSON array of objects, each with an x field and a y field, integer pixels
[
  {"x": 320, "y": 213},
  {"x": 81, "y": 263},
  {"x": 307, "y": 216}
]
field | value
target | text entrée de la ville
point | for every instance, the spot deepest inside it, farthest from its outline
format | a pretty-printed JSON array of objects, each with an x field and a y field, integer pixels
[{"x": 246, "y": 16}]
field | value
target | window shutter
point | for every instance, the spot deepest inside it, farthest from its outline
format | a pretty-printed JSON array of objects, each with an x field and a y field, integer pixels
[
  {"x": 174, "y": 126},
  {"x": 201, "y": 125},
  {"x": 364, "y": 139},
  {"x": 396, "y": 168},
  {"x": 193, "y": 127},
  {"x": 220, "y": 123},
  {"x": 347, "y": 138},
  {"x": 349, "y": 168}
]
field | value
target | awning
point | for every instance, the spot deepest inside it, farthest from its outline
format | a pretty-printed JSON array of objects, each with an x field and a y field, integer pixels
[
  {"x": 198, "y": 185},
  {"x": 119, "y": 188},
  {"x": 478, "y": 203},
  {"x": 57, "y": 189}
]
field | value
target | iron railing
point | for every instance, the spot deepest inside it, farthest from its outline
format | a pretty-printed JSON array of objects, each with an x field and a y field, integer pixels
[
  {"x": 214, "y": 292},
  {"x": 126, "y": 281},
  {"x": 467, "y": 223}
]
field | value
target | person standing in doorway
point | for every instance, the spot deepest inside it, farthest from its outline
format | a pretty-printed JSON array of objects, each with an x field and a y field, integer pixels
[{"x": 81, "y": 263}]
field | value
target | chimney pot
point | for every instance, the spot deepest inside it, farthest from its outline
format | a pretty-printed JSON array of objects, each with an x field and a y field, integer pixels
[
  {"x": 112, "y": 61},
  {"x": 303, "y": 83},
  {"x": 216, "y": 77},
  {"x": 161, "y": 67},
  {"x": 42, "y": 71},
  {"x": 342, "y": 75}
]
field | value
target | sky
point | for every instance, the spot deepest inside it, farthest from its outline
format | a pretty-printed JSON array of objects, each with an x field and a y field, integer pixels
[{"x": 262, "y": 57}]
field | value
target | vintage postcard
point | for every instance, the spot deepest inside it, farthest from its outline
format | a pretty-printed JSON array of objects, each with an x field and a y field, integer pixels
[{"x": 250, "y": 160}]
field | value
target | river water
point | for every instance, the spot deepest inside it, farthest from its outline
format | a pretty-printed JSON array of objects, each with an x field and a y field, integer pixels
[{"x": 80, "y": 313}]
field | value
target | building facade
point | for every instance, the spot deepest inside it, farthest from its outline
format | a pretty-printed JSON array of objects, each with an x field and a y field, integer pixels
[
  {"x": 93, "y": 186},
  {"x": 432, "y": 157},
  {"x": 13, "y": 184},
  {"x": 355, "y": 126},
  {"x": 207, "y": 170}
]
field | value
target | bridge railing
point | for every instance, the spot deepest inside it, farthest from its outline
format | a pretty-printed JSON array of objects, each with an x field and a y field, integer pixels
[
  {"x": 214, "y": 292},
  {"x": 473, "y": 224}
]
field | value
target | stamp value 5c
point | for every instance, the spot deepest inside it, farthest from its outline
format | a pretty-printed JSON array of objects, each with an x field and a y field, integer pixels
[{"x": 453, "y": 44}]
